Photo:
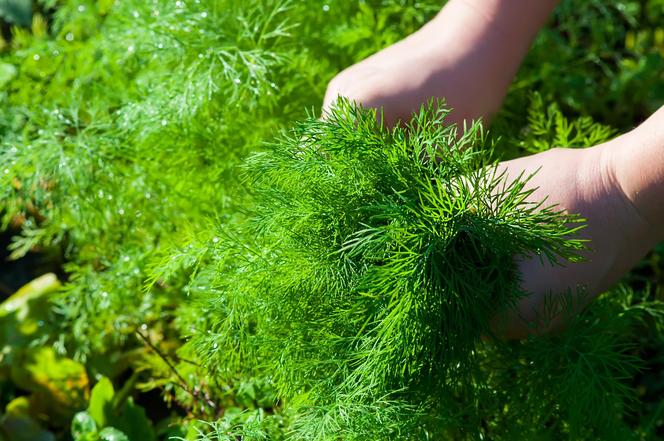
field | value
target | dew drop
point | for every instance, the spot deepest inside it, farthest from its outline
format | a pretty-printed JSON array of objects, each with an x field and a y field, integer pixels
[
  {"x": 144, "y": 327},
  {"x": 69, "y": 36},
  {"x": 326, "y": 8},
  {"x": 148, "y": 195},
  {"x": 204, "y": 14},
  {"x": 6, "y": 171},
  {"x": 81, "y": 8},
  {"x": 135, "y": 14},
  {"x": 160, "y": 45},
  {"x": 215, "y": 346},
  {"x": 237, "y": 81},
  {"x": 215, "y": 239},
  {"x": 121, "y": 212},
  {"x": 163, "y": 123},
  {"x": 36, "y": 57},
  {"x": 130, "y": 49}
]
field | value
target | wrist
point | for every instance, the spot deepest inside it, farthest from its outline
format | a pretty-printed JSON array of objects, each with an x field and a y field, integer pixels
[
  {"x": 637, "y": 163},
  {"x": 480, "y": 44}
]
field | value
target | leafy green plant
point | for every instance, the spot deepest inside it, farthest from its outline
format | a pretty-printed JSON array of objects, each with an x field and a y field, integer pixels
[
  {"x": 548, "y": 128},
  {"x": 379, "y": 257},
  {"x": 182, "y": 276}
]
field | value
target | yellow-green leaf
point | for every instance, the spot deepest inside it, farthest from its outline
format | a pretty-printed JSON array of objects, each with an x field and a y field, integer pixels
[
  {"x": 101, "y": 402},
  {"x": 59, "y": 385}
]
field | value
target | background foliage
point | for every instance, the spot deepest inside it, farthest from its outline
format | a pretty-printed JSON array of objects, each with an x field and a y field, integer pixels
[{"x": 122, "y": 126}]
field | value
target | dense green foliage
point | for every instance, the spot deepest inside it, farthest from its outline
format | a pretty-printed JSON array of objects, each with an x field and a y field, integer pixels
[{"x": 295, "y": 285}]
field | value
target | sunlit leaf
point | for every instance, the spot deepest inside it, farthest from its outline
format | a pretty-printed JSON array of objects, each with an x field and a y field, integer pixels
[
  {"x": 59, "y": 385},
  {"x": 82, "y": 424},
  {"x": 113, "y": 434},
  {"x": 101, "y": 402}
]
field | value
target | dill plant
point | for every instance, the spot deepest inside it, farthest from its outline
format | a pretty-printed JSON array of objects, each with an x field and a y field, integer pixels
[
  {"x": 372, "y": 264},
  {"x": 109, "y": 169}
]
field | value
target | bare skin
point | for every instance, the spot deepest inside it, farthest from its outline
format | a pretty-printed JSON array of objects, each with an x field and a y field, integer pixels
[
  {"x": 469, "y": 54},
  {"x": 609, "y": 185}
]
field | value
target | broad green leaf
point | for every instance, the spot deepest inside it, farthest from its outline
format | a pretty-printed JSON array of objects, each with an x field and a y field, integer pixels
[
  {"x": 59, "y": 385},
  {"x": 112, "y": 434},
  {"x": 130, "y": 418},
  {"x": 134, "y": 422},
  {"x": 82, "y": 424},
  {"x": 101, "y": 402},
  {"x": 23, "y": 315},
  {"x": 19, "y": 302}
]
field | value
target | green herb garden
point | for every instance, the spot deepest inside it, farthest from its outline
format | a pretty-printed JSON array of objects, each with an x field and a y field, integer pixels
[{"x": 190, "y": 253}]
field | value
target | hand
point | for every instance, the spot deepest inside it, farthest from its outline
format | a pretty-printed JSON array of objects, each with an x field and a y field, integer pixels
[
  {"x": 468, "y": 55},
  {"x": 588, "y": 182}
]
